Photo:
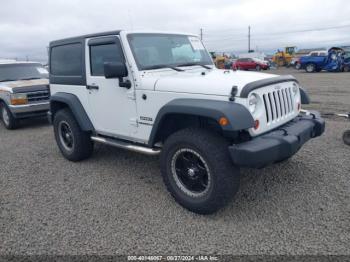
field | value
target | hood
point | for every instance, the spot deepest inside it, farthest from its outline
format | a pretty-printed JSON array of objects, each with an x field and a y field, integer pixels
[
  {"x": 213, "y": 82},
  {"x": 25, "y": 85}
]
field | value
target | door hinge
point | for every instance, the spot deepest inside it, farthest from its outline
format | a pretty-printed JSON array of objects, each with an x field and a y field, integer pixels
[
  {"x": 134, "y": 122},
  {"x": 131, "y": 95}
]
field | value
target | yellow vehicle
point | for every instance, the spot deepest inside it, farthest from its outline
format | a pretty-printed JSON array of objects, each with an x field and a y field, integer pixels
[
  {"x": 284, "y": 58},
  {"x": 220, "y": 62}
]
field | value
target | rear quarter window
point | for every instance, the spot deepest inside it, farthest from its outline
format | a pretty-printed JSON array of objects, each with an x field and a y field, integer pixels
[
  {"x": 67, "y": 63},
  {"x": 66, "y": 60}
]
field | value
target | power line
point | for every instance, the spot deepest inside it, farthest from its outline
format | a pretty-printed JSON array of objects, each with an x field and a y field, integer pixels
[
  {"x": 217, "y": 38},
  {"x": 266, "y": 36},
  {"x": 309, "y": 30},
  {"x": 228, "y": 30}
]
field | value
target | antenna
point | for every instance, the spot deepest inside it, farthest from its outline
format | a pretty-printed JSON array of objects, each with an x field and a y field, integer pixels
[{"x": 248, "y": 39}]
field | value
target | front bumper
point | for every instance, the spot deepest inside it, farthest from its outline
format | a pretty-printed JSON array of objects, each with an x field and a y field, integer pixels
[
  {"x": 30, "y": 110},
  {"x": 278, "y": 144}
]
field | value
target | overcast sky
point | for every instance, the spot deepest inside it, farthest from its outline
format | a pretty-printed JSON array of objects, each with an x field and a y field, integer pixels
[{"x": 27, "y": 26}]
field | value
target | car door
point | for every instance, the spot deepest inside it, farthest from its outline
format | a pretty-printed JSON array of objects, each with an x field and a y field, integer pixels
[
  {"x": 250, "y": 63},
  {"x": 243, "y": 63},
  {"x": 113, "y": 108},
  {"x": 237, "y": 63}
]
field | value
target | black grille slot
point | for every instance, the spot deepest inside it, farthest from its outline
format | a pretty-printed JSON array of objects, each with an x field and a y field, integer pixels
[
  {"x": 278, "y": 104},
  {"x": 267, "y": 114},
  {"x": 38, "y": 96}
]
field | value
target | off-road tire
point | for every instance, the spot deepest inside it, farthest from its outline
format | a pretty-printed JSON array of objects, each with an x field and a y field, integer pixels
[
  {"x": 10, "y": 122},
  {"x": 224, "y": 176},
  {"x": 346, "y": 137},
  {"x": 82, "y": 146}
]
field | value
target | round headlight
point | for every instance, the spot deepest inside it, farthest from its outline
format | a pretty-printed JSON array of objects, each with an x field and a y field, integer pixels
[{"x": 252, "y": 102}]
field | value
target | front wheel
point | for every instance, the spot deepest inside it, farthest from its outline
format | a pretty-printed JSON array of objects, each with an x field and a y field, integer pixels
[
  {"x": 197, "y": 170},
  {"x": 346, "y": 137},
  {"x": 7, "y": 118},
  {"x": 74, "y": 144},
  {"x": 258, "y": 68}
]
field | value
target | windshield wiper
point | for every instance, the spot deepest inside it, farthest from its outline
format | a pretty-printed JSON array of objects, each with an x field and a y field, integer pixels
[
  {"x": 195, "y": 64},
  {"x": 31, "y": 78},
  {"x": 8, "y": 80},
  {"x": 163, "y": 66}
]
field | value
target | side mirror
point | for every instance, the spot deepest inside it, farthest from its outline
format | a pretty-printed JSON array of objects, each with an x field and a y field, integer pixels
[{"x": 115, "y": 70}]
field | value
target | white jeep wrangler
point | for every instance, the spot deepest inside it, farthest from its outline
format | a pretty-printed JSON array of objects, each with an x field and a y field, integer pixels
[{"x": 160, "y": 93}]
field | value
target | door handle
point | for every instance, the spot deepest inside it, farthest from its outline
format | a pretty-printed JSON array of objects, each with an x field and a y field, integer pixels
[{"x": 91, "y": 87}]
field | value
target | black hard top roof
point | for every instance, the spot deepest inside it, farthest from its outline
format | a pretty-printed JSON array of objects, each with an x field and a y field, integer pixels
[{"x": 82, "y": 37}]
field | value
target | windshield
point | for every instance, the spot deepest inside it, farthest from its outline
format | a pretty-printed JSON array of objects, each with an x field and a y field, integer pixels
[
  {"x": 153, "y": 51},
  {"x": 14, "y": 72}
]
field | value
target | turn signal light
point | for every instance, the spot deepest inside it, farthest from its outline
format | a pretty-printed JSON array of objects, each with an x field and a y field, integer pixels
[
  {"x": 256, "y": 124},
  {"x": 19, "y": 101},
  {"x": 223, "y": 121}
]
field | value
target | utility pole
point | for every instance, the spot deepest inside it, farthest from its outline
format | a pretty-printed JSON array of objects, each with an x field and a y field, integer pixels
[
  {"x": 248, "y": 39},
  {"x": 201, "y": 34}
]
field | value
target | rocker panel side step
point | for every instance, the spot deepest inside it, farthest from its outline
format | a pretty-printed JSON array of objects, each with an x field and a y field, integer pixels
[{"x": 125, "y": 145}]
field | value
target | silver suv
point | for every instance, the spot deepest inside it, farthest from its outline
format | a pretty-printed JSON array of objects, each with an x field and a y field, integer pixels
[{"x": 24, "y": 91}]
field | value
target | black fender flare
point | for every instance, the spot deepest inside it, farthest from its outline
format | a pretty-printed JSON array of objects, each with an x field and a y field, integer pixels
[
  {"x": 74, "y": 104},
  {"x": 305, "y": 99},
  {"x": 239, "y": 117}
]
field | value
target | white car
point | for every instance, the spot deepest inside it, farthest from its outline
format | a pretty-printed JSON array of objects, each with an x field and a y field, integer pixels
[
  {"x": 318, "y": 53},
  {"x": 160, "y": 93}
]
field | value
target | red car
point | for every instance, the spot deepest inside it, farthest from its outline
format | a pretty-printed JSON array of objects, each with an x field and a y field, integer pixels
[{"x": 249, "y": 63}]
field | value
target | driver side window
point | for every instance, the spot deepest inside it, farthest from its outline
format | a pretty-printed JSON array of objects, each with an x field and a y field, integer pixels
[{"x": 100, "y": 54}]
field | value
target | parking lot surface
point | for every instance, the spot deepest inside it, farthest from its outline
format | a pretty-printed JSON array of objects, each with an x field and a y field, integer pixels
[{"x": 116, "y": 203}]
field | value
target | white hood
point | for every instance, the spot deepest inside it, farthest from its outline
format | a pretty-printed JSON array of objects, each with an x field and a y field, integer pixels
[{"x": 213, "y": 82}]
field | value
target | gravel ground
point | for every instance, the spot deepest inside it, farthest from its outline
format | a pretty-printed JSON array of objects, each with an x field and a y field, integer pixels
[{"x": 115, "y": 202}]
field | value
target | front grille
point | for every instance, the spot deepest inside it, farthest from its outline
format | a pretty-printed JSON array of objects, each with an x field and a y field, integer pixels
[
  {"x": 278, "y": 104},
  {"x": 38, "y": 96}
]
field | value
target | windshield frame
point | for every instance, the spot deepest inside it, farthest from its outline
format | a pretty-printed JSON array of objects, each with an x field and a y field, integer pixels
[
  {"x": 165, "y": 66},
  {"x": 20, "y": 78}
]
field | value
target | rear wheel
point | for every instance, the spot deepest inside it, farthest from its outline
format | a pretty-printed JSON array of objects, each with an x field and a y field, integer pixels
[
  {"x": 346, "y": 68},
  {"x": 74, "y": 144},
  {"x": 297, "y": 66},
  {"x": 310, "y": 68},
  {"x": 7, "y": 118},
  {"x": 198, "y": 171},
  {"x": 346, "y": 137}
]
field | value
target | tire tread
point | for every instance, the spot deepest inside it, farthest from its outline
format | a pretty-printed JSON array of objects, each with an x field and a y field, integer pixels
[
  {"x": 214, "y": 149},
  {"x": 83, "y": 143}
]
